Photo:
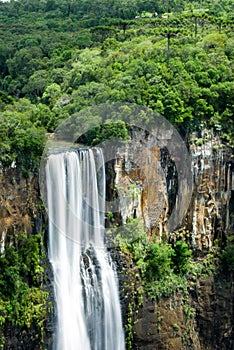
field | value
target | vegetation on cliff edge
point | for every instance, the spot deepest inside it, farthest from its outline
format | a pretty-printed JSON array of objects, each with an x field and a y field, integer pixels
[{"x": 59, "y": 57}]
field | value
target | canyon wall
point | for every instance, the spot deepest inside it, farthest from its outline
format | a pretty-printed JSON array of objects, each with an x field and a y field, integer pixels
[
  {"x": 170, "y": 323},
  {"x": 19, "y": 205},
  {"x": 147, "y": 188},
  {"x": 22, "y": 215},
  {"x": 151, "y": 195}
]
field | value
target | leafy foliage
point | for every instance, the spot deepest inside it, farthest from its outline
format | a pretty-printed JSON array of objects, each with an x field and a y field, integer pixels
[
  {"x": 58, "y": 58},
  {"x": 109, "y": 130},
  {"x": 22, "y": 137},
  {"x": 163, "y": 267},
  {"x": 23, "y": 302},
  {"x": 181, "y": 257},
  {"x": 227, "y": 258},
  {"x": 157, "y": 261}
]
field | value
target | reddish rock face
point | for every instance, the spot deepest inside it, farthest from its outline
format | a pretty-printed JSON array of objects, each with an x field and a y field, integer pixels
[
  {"x": 165, "y": 324},
  {"x": 146, "y": 181},
  {"x": 19, "y": 205}
]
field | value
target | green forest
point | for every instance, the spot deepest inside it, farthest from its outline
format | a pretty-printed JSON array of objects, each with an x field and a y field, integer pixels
[{"x": 58, "y": 57}]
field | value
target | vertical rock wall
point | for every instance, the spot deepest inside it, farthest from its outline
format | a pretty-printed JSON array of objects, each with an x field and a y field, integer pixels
[
  {"x": 19, "y": 205},
  {"x": 148, "y": 189},
  {"x": 210, "y": 215},
  {"x": 150, "y": 194}
]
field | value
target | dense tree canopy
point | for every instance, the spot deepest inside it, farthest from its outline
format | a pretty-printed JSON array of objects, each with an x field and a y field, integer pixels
[{"x": 58, "y": 57}]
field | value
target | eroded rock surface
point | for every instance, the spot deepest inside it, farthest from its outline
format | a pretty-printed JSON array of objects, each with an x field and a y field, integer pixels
[
  {"x": 149, "y": 192},
  {"x": 19, "y": 205},
  {"x": 146, "y": 181}
]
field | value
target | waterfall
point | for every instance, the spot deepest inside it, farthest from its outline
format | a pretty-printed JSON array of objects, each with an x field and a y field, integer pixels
[{"x": 85, "y": 283}]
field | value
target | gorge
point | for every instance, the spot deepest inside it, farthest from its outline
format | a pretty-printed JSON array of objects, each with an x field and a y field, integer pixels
[
  {"x": 116, "y": 175},
  {"x": 202, "y": 319}
]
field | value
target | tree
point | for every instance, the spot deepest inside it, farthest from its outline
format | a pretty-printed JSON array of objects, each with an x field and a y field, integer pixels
[
  {"x": 36, "y": 84},
  {"x": 52, "y": 94},
  {"x": 181, "y": 257},
  {"x": 158, "y": 261},
  {"x": 21, "y": 140}
]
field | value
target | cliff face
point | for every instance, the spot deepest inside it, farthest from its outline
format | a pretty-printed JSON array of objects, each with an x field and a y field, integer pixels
[
  {"x": 205, "y": 320},
  {"x": 19, "y": 205},
  {"x": 149, "y": 188},
  {"x": 167, "y": 324},
  {"x": 21, "y": 217},
  {"x": 210, "y": 214}
]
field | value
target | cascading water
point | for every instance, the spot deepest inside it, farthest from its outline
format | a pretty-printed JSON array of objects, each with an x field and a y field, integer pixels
[{"x": 85, "y": 284}]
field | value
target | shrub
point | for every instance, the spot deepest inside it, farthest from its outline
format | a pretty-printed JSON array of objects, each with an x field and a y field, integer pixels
[
  {"x": 227, "y": 258},
  {"x": 181, "y": 257},
  {"x": 158, "y": 261}
]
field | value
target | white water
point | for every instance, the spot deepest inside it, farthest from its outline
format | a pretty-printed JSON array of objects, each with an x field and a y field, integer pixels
[{"x": 86, "y": 290}]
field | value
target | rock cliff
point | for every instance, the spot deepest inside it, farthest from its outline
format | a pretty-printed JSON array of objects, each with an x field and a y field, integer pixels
[
  {"x": 19, "y": 205},
  {"x": 148, "y": 189},
  {"x": 204, "y": 321},
  {"x": 22, "y": 216}
]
